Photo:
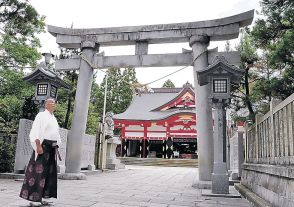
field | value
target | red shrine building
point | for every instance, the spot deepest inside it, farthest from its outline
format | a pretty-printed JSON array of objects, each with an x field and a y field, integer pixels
[{"x": 160, "y": 123}]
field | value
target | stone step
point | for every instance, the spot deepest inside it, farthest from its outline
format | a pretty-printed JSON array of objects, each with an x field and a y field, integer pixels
[
  {"x": 141, "y": 161},
  {"x": 159, "y": 162}
]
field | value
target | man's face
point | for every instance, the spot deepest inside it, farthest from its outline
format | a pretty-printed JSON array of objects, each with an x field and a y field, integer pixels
[{"x": 50, "y": 105}]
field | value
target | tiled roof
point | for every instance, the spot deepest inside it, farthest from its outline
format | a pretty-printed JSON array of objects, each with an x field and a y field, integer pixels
[
  {"x": 166, "y": 90},
  {"x": 142, "y": 105},
  {"x": 41, "y": 72}
]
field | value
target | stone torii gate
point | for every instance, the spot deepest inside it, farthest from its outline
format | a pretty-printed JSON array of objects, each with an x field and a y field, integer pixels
[{"x": 198, "y": 34}]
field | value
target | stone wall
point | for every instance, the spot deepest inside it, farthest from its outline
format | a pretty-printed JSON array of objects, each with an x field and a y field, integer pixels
[
  {"x": 236, "y": 154},
  {"x": 268, "y": 170},
  {"x": 24, "y": 149},
  {"x": 274, "y": 184}
]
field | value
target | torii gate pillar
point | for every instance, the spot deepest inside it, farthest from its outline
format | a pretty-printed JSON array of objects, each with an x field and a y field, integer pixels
[
  {"x": 80, "y": 113},
  {"x": 203, "y": 109}
]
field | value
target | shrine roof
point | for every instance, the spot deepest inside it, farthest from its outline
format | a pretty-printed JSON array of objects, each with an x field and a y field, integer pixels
[
  {"x": 166, "y": 90},
  {"x": 143, "y": 106}
]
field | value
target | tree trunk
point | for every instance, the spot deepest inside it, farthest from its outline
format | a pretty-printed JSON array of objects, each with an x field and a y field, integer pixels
[
  {"x": 247, "y": 97},
  {"x": 70, "y": 96},
  {"x": 66, "y": 120}
]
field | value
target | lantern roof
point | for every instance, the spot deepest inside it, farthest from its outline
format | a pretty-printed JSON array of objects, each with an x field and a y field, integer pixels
[
  {"x": 42, "y": 73},
  {"x": 220, "y": 68}
]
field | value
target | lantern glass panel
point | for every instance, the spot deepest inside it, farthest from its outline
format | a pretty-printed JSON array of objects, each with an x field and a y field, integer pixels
[
  {"x": 42, "y": 89},
  {"x": 220, "y": 86}
]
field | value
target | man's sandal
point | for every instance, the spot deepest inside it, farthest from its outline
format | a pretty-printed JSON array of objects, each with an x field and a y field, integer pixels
[{"x": 46, "y": 203}]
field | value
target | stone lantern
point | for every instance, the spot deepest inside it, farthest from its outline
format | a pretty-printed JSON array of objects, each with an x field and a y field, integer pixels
[
  {"x": 221, "y": 76},
  {"x": 46, "y": 80}
]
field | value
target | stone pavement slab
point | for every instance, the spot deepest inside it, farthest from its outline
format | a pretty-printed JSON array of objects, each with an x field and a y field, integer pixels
[{"x": 145, "y": 186}]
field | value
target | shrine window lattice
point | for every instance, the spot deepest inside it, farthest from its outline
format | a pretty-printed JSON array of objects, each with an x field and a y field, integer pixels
[{"x": 42, "y": 89}]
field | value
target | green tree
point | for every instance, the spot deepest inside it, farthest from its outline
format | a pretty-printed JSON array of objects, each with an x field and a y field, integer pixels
[
  {"x": 11, "y": 83},
  {"x": 274, "y": 34},
  {"x": 264, "y": 84},
  {"x": 15, "y": 102},
  {"x": 65, "y": 96},
  {"x": 29, "y": 108},
  {"x": 94, "y": 114},
  {"x": 119, "y": 90},
  {"x": 261, "y": 80},
  {"x": 248, "y": 59},
  {"x": 126, "y": 93},
  {"x": 7, "y": 152},
  {"x": 19, "y": 24},
  {"x": 168, "y": 84}
]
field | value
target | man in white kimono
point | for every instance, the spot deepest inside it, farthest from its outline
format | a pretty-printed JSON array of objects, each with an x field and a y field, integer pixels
[{"x": 41, "y": 173}]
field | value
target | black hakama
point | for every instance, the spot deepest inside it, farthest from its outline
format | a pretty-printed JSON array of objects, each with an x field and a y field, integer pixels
[{"x": 41, "y": 174}]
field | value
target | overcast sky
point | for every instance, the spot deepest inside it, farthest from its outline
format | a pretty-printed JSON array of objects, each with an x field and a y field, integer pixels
[{"x": 112, "y": 13}]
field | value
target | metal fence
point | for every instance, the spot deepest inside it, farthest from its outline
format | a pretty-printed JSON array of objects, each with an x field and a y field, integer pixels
[{"x": 270, "y": 140}]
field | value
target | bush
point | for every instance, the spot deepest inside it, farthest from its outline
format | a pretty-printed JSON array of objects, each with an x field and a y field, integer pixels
[{"x": 7, "y": 152}]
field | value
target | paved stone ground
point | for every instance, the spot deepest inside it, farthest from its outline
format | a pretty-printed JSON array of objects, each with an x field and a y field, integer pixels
[{"x": 135, "y": 186}]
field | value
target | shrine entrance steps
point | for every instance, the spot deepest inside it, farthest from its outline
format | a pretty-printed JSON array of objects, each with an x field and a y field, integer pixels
[{"x": 159, "y": 162}]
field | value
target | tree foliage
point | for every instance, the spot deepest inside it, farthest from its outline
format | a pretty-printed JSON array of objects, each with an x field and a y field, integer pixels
[
  {"x": 119, "y": 90},
  {"x": 168, "y": 84},
  {"x": 274, "y": 34},
  {"x": 19, "y": 24},
  {"x": 269, "y": 73},
  {"x": 14, "y": 99},
  {"x": 242, "y": 95},
  {"x": 7, "y": 152},
  {"x": 66, "y": 96}
]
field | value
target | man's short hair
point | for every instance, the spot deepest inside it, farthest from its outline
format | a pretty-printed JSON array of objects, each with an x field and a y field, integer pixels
[{"x": 49, "y": 100}]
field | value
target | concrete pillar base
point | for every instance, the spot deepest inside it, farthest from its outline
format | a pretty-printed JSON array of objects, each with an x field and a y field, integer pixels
[
  {"x": 72, "y": 176},
  {"x": 112, "y": 163},
  {"x": 200, "y": 184},
  {"x": 220, "y": 183},
  {"x": 233, "y": 193},
  {"x": 235, "y": 176},
  {"x": 91, "y": 167},
  {"x": 61, "y": 168}
]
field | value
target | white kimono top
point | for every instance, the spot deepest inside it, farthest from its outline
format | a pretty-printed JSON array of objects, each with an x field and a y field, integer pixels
[{"x": 45, "y": 126}]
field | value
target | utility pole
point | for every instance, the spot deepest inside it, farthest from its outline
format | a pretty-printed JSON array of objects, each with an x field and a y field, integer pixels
[{"x": 102, "y": 155}]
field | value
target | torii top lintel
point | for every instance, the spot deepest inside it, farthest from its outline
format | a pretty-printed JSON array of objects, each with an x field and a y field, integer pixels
[{"x": 218, "y": 29}]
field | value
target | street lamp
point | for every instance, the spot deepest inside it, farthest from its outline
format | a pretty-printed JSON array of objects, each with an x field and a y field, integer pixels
[
  {"x": 220, "y": 75},
  {"x": 102, "y": 143}
]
